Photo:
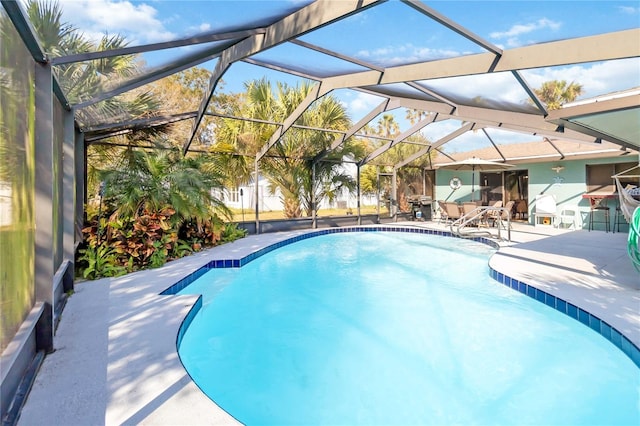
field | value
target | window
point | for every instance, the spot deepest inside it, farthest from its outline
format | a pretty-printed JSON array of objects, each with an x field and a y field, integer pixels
[
  {"x": 234, "y": 195},
  {"x": 599, "y": 177}
]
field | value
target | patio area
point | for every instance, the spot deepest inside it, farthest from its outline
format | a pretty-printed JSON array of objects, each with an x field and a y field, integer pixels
[{"x": 115, "y": 359}]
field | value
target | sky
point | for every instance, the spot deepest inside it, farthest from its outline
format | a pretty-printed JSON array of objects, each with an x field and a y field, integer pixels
[{"x": 386, "y": 35}]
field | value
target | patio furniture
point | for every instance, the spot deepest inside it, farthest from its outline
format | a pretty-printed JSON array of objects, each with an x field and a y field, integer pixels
[
  {"x": 493, "y": 215},
  {"x": 521, "y": 209},
  {"x": 619, "y": 219},
  {"x": 546, "y": 210},
  {"x": 568, "y": 217},
  {"x": 453, "y": 211},
  {"x": 504, "y": 215},
  {"x": 443, "y": 212},
  {"x": 598, "y": 204},
  {"x": 469, "y": 210}
]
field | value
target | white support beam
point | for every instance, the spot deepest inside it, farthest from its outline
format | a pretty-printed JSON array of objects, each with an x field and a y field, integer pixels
[
  {"x": 170, "y": 68},
  {"x": 45, "y": 161},
  {"x": 538, "y": 130},
  {"x": 308, "y": 18},
  {"x": 462, "y": 130},
  {"x": 432, "y": 93},
  {"x": 569, "y": 117},
  {"x": 404, "y": 135},
  {"x": 507, "y": 120},
  {"x": 206, "y": 37},
  {"x": 385, "y": 105},
  {"x": 610, "y": 46},
  {"x": 494, "y": 145}
]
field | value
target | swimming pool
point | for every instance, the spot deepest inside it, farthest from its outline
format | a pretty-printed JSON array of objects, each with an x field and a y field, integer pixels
[{"x": 382, "y": 328}]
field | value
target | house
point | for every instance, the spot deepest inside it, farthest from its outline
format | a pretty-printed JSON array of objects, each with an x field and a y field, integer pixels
[
  {"x": 243, "y": 197},
  {"x": 566, "y": 171}
]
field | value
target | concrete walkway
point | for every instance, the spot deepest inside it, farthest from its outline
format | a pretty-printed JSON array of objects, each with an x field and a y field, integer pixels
[{"x": 116, "y": 360}]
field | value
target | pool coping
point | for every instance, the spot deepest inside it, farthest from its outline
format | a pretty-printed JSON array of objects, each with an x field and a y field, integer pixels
[{"x": 116, "y": 360}]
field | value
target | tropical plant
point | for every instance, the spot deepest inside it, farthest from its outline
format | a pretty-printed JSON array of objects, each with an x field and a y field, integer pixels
[
  {"x": 409, "y": 178},
  {"x": 118, "y": 245},
  {"x": 555, "y": 93},
  {"x": 387, "y": 126},
  {"x": 150, "y": 182},
  {"x": 100, "y": 261},
  {"x": 83, "y": 81},
  {"x": 415, "y": 115},
  {"x": 180, "y": 92},
  {"x": 288, "y": 166}
]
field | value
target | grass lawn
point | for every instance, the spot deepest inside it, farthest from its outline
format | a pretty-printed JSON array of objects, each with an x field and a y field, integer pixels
[{"x": 249, "y": 214}]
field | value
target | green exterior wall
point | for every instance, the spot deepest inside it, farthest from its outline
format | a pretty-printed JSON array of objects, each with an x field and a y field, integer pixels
[{"x": 567, "y": 187}]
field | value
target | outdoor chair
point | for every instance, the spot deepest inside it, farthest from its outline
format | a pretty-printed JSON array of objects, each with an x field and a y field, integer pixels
[
  {"x": 619, "y": 219},
  {"x": 568, "y": 217},
  {"x": 468, "y": 209},
  {"x": 492, "y": 215},
  {"x": 444, "y": 217},
  {"x": 453, "y": 211},
  {"x": 503, "y": 215},
  {"x": 598, "y": 205},
  {"x": 521, "y": 209}
]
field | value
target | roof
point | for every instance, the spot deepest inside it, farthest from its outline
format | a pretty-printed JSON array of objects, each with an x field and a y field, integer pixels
[
  {"x": 614, "y": 117},
  {"x": 535, "y": 152}
]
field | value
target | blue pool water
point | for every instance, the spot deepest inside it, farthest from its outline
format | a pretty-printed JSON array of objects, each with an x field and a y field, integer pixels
[{"x": 390, "y": 328}]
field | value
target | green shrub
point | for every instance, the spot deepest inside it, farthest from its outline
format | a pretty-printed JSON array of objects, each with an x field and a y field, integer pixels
[
  {"x": 100, "y": 261},
  {"x": 119, "y": 245}
]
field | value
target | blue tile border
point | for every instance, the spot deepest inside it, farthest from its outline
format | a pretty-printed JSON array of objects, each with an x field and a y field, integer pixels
[
  {"x": 596, "y": 324},
  {"x": 187, "y": 320}
]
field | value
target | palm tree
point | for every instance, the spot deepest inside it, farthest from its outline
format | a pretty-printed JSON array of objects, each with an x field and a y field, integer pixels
[
  {"x": 150, "y": 182},
  {"x": 83, "y": 81},
  {"x": 288, "y": 167},
  {"x": 555, "y": 93},
  {"x": 409, "y": 178},
  {"x": 415, "y": 115},
  {"x": 387, "y": 126}
]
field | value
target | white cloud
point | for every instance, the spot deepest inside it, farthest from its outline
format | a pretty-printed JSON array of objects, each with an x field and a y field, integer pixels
[
  {"x": 519, "y": 29},
  {"x": 405, "y": 54},
  {"x": 629, "y": 10},
  {"x": 360, "y": 104},
  {"x": 500, "y": 87},
  {"x": 512, "y": 34},
  {"x": 597, "y": 79},
  {"x": 139, "y": 23}
]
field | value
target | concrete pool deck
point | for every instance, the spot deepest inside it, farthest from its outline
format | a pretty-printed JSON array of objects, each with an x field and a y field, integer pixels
[{"x": 116, "y": 360}]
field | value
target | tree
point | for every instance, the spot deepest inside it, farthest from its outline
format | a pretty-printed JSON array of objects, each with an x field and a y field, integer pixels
[
  {"x": 287, "y": 166},
  {"x": 555, "y": 93},
  {"x": 415, "y": 115},
  {"x": 183, "y": 92},
  {"x": 409, "y": 178},
  {"x": 83, "y": 81},
  {"x": 387, "y": 126},
  {"x": 149, "y": 182}
]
